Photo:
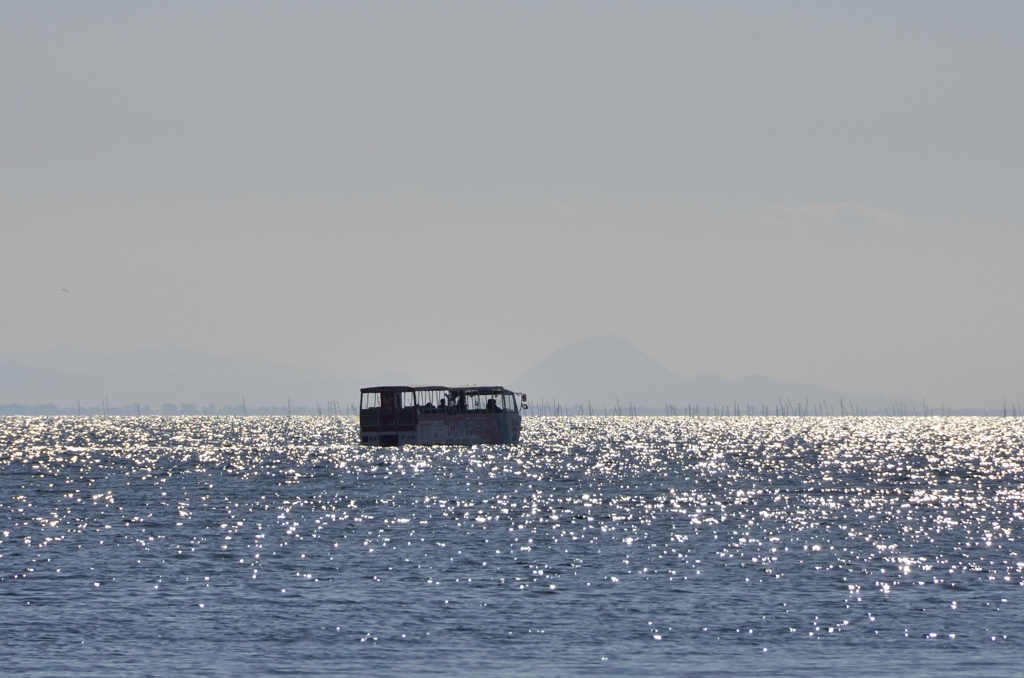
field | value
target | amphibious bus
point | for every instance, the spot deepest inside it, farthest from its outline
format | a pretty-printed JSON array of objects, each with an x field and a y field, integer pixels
[{"x": 440, "y": 415}]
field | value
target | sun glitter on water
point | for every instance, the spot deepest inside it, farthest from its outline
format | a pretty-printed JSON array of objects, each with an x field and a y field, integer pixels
[{"x": 598, "y": 544}]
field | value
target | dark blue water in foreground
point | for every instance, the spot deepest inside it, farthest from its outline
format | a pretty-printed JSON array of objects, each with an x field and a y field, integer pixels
[{"x": 763, "y": 546}]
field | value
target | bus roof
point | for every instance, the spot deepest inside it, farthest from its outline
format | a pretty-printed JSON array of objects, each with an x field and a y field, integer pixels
[{"x": 469, "y": 390}]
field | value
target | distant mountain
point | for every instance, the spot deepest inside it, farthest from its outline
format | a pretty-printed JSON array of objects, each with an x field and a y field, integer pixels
[
  {"x": 143, "y": 363},
  {"x": 604, "y": 370},
  {"x": 600, "y": 370},
  {"x": 155, "y": 376}
]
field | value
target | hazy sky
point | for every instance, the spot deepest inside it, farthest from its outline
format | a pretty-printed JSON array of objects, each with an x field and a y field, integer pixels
[{"x": 823, "y": 192}]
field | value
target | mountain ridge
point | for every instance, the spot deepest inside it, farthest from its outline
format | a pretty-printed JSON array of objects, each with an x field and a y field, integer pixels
[
  {"x": 159, "y": 376},
  {"x": 607, "y": 372},
  {"x": 599, "y": 374}
]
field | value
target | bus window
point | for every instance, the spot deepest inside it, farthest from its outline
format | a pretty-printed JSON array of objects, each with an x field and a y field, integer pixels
[
  {"x": 407, "y": 408},
  {"x": 369, "y": 409}
]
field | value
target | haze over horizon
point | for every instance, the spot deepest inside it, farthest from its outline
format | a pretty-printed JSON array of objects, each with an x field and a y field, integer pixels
[
  {"x": 600, "y": 375},
  {"x": 824, "y": 194}
]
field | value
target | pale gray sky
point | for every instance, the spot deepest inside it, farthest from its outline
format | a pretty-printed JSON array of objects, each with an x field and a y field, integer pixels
[{"x": 822, "y": 192}]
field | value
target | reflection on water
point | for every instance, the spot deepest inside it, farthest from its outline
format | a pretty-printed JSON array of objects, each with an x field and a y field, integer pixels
[{"x": 768, "y": 545}]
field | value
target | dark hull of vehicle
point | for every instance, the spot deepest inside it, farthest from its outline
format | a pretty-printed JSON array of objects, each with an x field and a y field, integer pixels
[{"x": 490, "y": 428}]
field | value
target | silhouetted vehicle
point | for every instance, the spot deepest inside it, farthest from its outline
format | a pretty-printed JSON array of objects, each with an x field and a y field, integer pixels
[{"x": 440, "y": 415}]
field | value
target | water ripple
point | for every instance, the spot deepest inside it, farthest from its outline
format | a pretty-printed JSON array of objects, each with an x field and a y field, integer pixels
[{"x": 215, "y": 545}]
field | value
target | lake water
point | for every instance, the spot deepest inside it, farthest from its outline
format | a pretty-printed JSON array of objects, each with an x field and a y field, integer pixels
[{"x": 707, "y": 546}]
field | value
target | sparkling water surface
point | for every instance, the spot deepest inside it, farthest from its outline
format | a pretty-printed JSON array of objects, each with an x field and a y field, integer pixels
[{"x": 647, "y": 545}]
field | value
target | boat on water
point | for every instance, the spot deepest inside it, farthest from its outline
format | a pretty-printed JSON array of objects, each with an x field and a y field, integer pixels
[{"x": 440, "y": 415}]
